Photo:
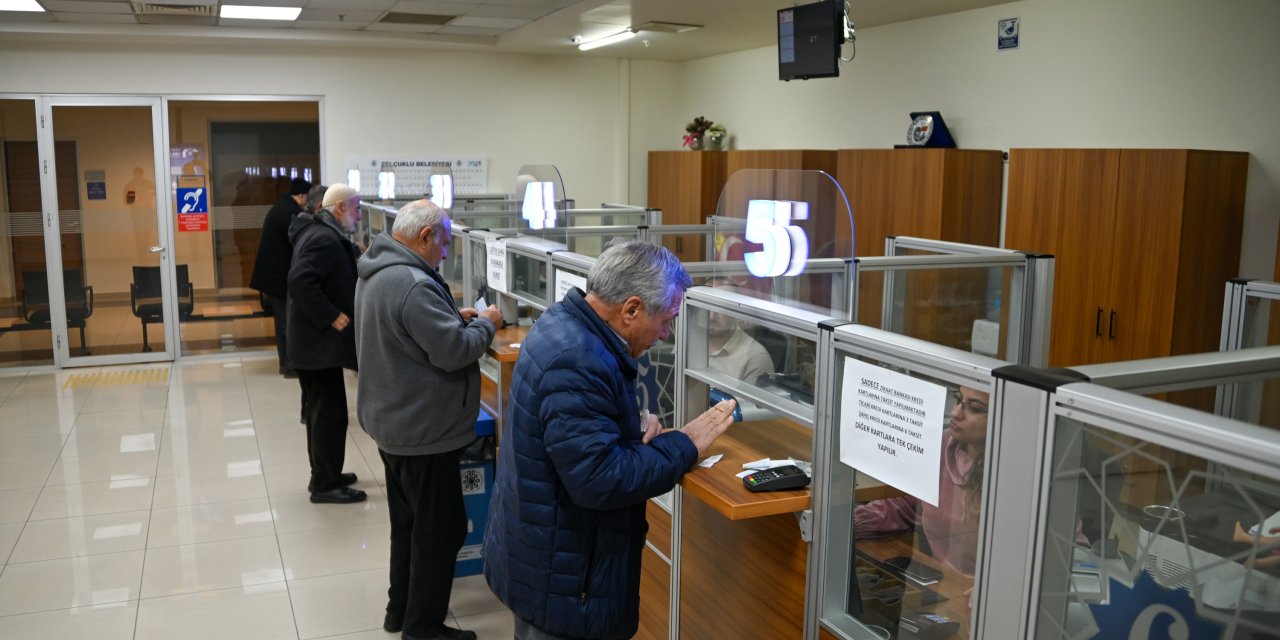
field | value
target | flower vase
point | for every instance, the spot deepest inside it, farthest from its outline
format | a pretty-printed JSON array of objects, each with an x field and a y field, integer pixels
[
  {"x": 695, "y": 144},
  {"x": 715, "y": 142}
]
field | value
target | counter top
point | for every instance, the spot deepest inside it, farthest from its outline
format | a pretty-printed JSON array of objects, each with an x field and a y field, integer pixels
[{"x": 501, "y": 350}]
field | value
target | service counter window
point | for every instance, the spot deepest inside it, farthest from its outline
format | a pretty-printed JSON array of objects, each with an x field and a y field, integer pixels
[{"x": 1146, "y": 539}]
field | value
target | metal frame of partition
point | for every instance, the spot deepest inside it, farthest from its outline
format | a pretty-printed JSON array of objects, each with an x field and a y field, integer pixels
[
  {"x": 1240, "y": 293},
  {"x": 1105, "y": 394},
  {"x": 692, "y": 386},
  {"x": 830, "y": 523}
]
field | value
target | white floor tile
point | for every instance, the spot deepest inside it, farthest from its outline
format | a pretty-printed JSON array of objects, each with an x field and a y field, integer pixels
[
  {"x": 337, "y": 604},
  {"x": 103, "y": 622},
  {"x": 212, "y": 565},
  {"x": 96, "y": 442},
  {"x": 24, "y": 474},
  {"x": 93, "y": 498},
  {"x": 325, "y": 552},
  {"x": 16, "y": 504},
  {"x": 123, "y": 398},
  {"x": 494, "y": 625},
  {"x": 208, "y": 488},
  {"x": 70, "y": 582},
  {"x": 8, "y": 537},
  {"x": 210, "y": 522},
  {"x": 128, "y": 420},
  {"x": 471, "y": 595},
  {"x": 44, "y": 447},
  {"x": 81, "y": 536},
  {"x": 295, "y": 512},
  {"x": 261, "y": 612},
  {"x": 104, "y": 468}
]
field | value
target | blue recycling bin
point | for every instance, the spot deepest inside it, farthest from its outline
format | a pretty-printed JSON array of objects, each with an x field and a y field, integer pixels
[{"x": 477, "y": 487}]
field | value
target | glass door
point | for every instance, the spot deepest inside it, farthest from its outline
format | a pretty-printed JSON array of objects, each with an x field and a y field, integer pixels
[{"x": 112, "y": 291}]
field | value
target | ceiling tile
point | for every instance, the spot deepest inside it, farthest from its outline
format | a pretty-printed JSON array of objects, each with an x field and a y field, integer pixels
[
  {"x": 325, "y": 15},
  {"x": 365, "y": 5},
  {"x": 509, "y": 11},
  {"x": 199, "y": 21},
  {"x": 95, "y": 18},
  {"x": 88, "y": 7},
  {"x": 255, "y": 24},
  {"x": 25, "y": 16},
  {"x": 471, "y": 31},
  {"x": 326, "y": 25},
  {"x": 506, "y": 24},
  {"x": 434, "y": 8},
  {"x": 407, "y": 28}
]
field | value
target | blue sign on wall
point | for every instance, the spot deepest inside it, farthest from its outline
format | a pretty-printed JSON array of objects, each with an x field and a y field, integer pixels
[
  {"x": 97, "y": 190},
  {"x": 193, "y": 200},
  {"x": 1007, "y": 33}
]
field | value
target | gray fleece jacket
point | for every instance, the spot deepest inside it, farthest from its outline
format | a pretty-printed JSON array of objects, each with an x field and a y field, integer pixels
[{"x": 419, "y": 387}]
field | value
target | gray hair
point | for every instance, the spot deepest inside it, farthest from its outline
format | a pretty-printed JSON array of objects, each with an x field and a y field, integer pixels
[
  {"x": 314, "y": 197},
  {"x": 638, "y": 268},
  {"x": 416, "y": 216}
]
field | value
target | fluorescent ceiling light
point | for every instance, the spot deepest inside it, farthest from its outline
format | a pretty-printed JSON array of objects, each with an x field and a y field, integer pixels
[
  {"x": 247, "y": 12},
  {"x": 20, "y": 5},
  {"x": 607, "y": 40}
]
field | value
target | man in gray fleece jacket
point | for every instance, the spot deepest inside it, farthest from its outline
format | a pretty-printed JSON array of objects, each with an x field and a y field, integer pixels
[{"x": 419, "y": 395}]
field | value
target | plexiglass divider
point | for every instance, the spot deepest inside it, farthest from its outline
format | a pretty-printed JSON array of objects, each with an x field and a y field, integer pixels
[
  {"x": 1250, "y": 318},
  {"x": 899, "y": 492},
  {"x": 1151, "y": 519}
]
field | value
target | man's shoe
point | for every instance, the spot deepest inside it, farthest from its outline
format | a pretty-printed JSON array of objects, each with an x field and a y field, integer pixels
[
  {"x": 347, "y": 479},
  {"x": 443, "y": 632},
  {"x": 341, "y": 495},
  {"x": 392, "y": 623}
]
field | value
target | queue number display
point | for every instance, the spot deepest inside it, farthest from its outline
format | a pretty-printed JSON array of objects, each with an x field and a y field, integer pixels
[
  {"x": 539, "y": 207},
  {"x": 784, "y": 247}
]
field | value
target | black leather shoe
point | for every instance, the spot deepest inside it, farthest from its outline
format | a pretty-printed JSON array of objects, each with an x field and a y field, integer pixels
[
  {"x": 443, "y": 632},
  {"x": 392, "y": 623},
  {"x": 341, "y": 495},
  {"x": 348, "y": 479}
]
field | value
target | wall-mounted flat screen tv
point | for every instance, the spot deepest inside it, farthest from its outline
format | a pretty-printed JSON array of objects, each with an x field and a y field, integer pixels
[{"x": 809, "y": 39}]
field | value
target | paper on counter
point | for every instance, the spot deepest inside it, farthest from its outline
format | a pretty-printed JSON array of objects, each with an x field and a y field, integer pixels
[
  {"x": 743, "y": 474},
  {"x": 711, "y": 461},
  {"x": 767, "y": 463}
]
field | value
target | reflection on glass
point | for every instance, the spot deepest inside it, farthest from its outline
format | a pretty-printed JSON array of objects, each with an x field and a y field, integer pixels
[
  {"x": 913, "y": 563},
  {"x": 779, "y": 364},
  {"x": 1167, "y": 534},
  {"x": 25, "y": 336},
  {"x": 949, "y": 307},
  {"x": 528, "y": 276},
  {"x": 1260, "y": 400}
]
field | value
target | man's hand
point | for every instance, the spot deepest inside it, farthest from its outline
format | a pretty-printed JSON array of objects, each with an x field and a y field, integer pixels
[
  {"x": 468, "y": 314},
  {"x": 492, "y": 314},
  {"x": 341, "y": 322},
  {"x": 704, "y": 429},
  {"x": 652, "y": 429}
]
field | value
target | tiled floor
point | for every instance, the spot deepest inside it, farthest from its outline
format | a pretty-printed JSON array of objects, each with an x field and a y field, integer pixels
[{"x": 178, "y": 509}]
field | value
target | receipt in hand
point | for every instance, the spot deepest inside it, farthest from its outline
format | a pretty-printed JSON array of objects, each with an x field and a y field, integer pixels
[
  {"x": 481, "y": 305},
  {"x": 711, "y": 461}
]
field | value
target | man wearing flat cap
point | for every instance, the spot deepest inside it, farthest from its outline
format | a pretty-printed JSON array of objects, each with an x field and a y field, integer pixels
[
  {"x": 275, "y": 253},
  {"x": 322, "y": 292}
]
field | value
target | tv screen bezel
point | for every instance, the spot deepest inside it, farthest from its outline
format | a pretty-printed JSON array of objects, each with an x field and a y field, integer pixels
[{"x": 834, "y": 17}]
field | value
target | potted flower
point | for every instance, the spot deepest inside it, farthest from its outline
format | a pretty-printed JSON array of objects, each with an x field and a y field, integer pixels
[{"x": 704, "y": 134}]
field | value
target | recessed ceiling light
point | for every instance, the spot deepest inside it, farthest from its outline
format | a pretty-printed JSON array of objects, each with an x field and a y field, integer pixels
[
  {"x": 20, "y": 5},
  {"x": 247, "y": 12},
  {"x": 607, "y": 40}
]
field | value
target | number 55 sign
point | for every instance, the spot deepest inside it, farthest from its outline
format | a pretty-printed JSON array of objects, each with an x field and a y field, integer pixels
[{"x": 784, "y": 246}]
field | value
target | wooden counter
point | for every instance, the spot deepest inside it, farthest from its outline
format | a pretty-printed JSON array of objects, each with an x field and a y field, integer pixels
[
  {"x": 494, "y": 395},
  {"x": 953, "y": 588}
]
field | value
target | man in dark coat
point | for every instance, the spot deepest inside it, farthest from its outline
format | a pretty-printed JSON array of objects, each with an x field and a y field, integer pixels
[
  {"x": 322, "y": 291},
  {"x": 275, "y": 253},
  {"x": 566, "y": 525}
]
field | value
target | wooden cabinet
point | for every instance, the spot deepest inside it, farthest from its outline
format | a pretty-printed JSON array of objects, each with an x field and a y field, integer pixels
[
  {"x": 686, "y": 186},
  {"x": 1144, "y": 239}
]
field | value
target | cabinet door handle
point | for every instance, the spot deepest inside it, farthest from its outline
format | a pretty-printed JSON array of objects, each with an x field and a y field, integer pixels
[
  {"x": 1111, "y": 326},
  {"x": 1097, "y": 324}
]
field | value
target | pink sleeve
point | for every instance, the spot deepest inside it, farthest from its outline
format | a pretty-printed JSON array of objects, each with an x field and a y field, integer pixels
[{"x": 889, "y": 515}]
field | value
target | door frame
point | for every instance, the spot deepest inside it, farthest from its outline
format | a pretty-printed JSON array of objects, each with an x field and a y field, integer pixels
[{"x": 52, "y": 229}]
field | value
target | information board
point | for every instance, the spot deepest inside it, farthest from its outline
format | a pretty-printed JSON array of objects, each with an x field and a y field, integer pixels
[
  {"x": 496, "y": 265},
  {"x": 891, "y": 428},
  {"x": 193, "y": 204},
  {"x": 470, "y": 173},
  {"x": 565, "y": 281}
]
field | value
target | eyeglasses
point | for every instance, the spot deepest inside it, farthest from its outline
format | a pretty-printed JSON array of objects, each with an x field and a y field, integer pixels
[{"x": 970, "y": 407}]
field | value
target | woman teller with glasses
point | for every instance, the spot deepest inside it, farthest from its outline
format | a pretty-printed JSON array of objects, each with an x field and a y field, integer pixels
[{"x": 951, "y": 528}]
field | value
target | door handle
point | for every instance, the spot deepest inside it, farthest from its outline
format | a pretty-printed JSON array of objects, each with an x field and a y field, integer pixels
[
  {"x": 1097, "y": 324},
  {"x": 1111, "y": 326},
  {"x": 156, "y": 249}
]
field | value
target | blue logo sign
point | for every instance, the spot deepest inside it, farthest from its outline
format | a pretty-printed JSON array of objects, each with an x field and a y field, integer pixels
[
  {"x": 97, "y": 190},
  {"x": 193, "y": 200}
]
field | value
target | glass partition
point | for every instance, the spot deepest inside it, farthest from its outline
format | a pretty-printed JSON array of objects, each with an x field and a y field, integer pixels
[
  {"x": 690, "y": 242},
  {"x": 899, "y": 502},
  {"x": 1160, "y": 521},
  {"x": 1251, "y": 318},
  {"x": 26, "y": 337}
]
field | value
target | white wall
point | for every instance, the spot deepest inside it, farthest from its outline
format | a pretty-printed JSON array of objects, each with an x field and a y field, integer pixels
[
  {"x": 1088, "y": 73},
  {"x": 512, "y": 109}
]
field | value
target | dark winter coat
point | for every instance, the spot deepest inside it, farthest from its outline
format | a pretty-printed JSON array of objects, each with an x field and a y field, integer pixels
[
  {"x": 567, "y": 522},
  {"x": 322, "y": 283},
  {"x": 275, "y": 251}
]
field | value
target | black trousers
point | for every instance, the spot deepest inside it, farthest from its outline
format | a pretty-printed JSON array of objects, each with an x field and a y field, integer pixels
[
  {"x": 428, "y": 527},
  {"x": 278, "y": 309},
  {"x": 324, "y": 396}
]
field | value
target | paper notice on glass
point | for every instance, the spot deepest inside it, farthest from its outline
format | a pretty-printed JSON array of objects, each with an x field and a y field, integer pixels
[
  {"x": 891, "y": 428},
  {"x": 496, "y": 265},
  {"x": 566, "y": 281}
]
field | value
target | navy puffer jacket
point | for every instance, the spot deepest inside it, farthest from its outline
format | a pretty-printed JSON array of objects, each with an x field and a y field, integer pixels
[{"x": 566, "y": 526}]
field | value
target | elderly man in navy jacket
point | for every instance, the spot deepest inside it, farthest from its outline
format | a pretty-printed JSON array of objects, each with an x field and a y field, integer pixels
[
  {"x": 567, "y": 523},
  {"x": 321, "y": 341}
]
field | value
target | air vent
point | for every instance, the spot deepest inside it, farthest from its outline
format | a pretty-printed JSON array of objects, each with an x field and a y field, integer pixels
[
  {"x": 665, "y": 27},
  {"x": 149, "y": 9},
  {"x": 415, "y": 18}
]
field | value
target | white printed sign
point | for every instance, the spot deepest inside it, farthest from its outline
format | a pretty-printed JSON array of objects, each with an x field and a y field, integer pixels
[
  {"x": 470, "y": 173},
  {"x": 566, "y": 281},
  {"x": 496, "y": 265},
  {"x": 891, "y": 428}
]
